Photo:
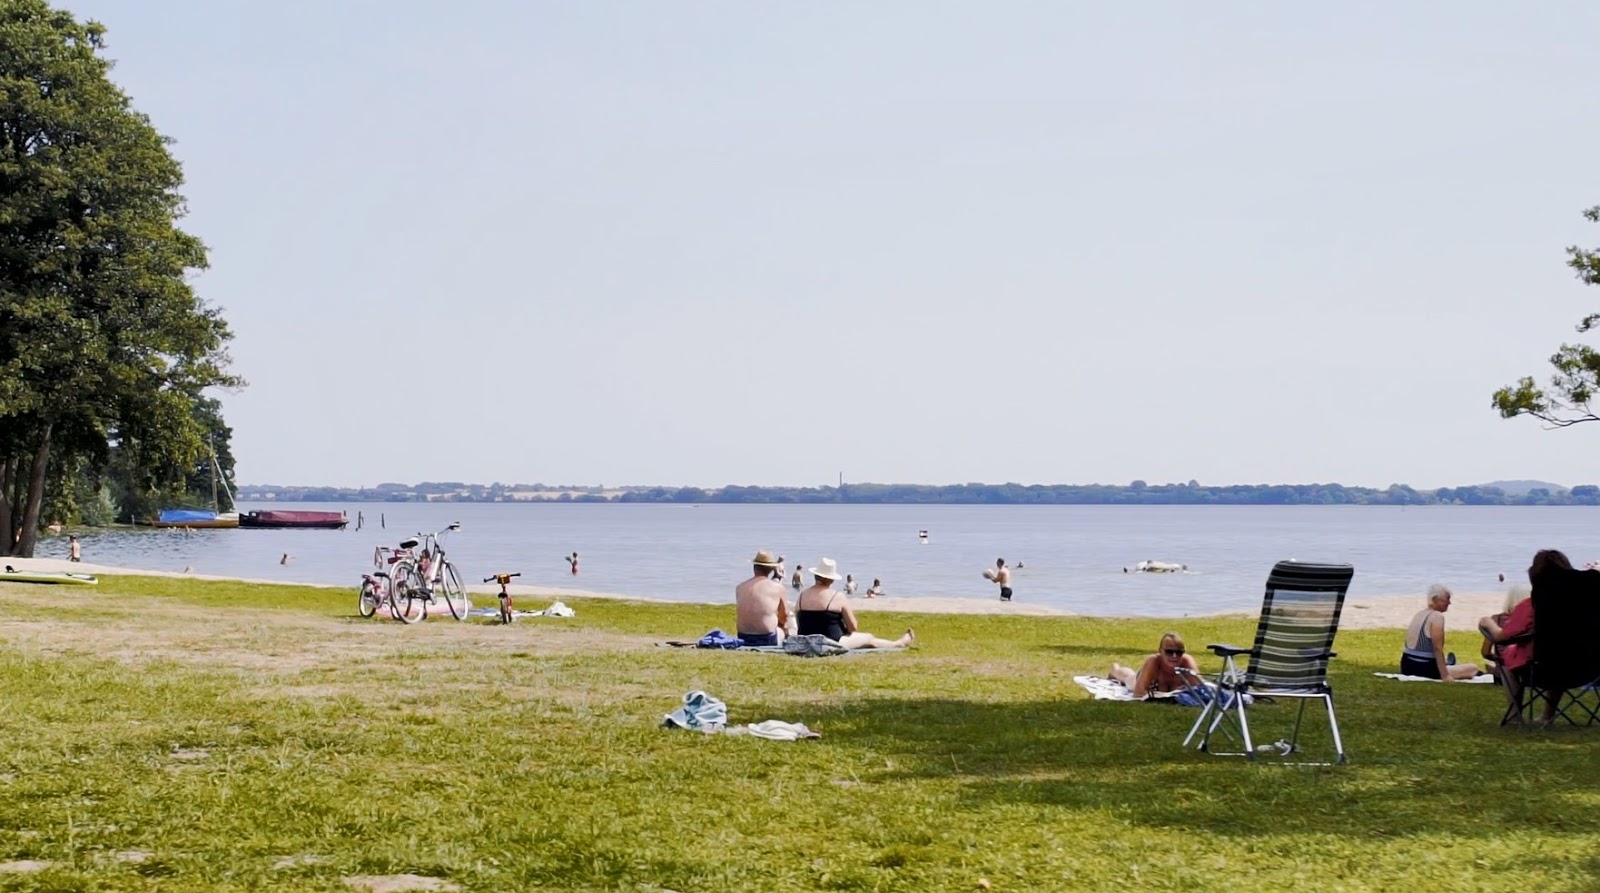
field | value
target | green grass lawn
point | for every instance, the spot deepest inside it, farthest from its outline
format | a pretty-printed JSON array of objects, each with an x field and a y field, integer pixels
[{"x": 185, "y": 735}]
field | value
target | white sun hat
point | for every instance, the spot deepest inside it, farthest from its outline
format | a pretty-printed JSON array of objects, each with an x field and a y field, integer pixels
[{"x": 826, "y": 569}]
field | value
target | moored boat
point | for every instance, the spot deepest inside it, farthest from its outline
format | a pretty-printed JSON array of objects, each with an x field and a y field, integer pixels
[
  {"x": 195, "y": 518},
  {"x": 11, "y": 575},
  {"x": 277, "y": 520}
]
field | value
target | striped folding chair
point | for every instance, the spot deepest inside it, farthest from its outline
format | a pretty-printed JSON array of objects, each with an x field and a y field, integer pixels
[{"x": 1289, "y": 660}]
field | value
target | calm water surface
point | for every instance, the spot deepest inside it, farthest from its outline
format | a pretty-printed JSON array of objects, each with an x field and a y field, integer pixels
[{"x": 1071, "y": 557}]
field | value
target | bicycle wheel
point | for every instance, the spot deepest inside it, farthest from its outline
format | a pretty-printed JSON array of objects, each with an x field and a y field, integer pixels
[
  {"x": 455, "y": 595},
  {"x": 407, "y": 601},
  {"x": 370, "y": 597}
]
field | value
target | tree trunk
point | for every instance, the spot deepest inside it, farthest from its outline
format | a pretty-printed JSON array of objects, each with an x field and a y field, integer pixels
[
  {"x": 19, "y": 496},
  {"x": 29, "y": 534},
  {"x": 6, "y": 536}
]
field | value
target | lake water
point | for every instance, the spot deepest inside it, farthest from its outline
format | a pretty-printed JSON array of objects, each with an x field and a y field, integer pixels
[{"x": 1068, "y": 557}]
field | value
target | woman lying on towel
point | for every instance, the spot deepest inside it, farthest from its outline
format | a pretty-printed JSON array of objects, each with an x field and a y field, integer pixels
[
  {"x": 822, "y": 610},
  {"x": 1160, "y": 670}
]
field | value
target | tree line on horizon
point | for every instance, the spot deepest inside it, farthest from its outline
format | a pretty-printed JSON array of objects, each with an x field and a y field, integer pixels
[{"x": 1136, "y": 493}]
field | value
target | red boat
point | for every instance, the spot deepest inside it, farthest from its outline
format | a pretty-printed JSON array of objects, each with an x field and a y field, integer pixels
[{"x": 272, "y": 519}]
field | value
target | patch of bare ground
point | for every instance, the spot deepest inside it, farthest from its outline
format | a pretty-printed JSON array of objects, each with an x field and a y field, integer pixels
[
  {"x": 24, "y": 866},
  {"x": 398, "y": 883},
  {"x": 295, "y": 654},
  {"x": 252, "y": 638}
]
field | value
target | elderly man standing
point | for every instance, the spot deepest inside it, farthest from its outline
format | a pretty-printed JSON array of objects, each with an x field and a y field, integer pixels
[{"x": 762, "y": 610}]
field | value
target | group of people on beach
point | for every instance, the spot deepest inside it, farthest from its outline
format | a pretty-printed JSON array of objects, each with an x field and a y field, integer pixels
[
  {"x": 1507, "y": 647},
  {"x": 765, "y": 618},
  {"x": 798, "y": 582}
]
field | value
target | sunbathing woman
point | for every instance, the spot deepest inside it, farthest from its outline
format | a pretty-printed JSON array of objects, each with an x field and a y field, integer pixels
[
  {"x": 1160, "y": 670},
  {"x": 825, "y": 611}
]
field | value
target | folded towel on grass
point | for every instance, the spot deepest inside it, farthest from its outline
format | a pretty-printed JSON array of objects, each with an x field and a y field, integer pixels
[
  {"x": 1105, "y": 689},
  {"x": 1479, "y": 679}
]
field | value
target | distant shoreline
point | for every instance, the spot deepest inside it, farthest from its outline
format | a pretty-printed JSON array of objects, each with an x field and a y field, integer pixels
[
  {"x": 1136, "y": 493},
  {"x": 1367, "y": 612}
]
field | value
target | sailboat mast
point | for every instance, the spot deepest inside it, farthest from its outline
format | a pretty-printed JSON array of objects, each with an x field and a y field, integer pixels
[{"x": 214, "y": 504}]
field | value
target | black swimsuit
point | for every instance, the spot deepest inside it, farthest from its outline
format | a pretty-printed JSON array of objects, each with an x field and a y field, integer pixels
[{"x": 823, "y": 622}]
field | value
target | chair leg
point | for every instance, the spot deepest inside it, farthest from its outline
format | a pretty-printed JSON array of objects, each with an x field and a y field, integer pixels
[
  {"x": 1204, "y": 712},
  {"x": 1333, "y": 723},
  {"x": 1299, "y": 716},
  {"x": 1244, "y": 723}
]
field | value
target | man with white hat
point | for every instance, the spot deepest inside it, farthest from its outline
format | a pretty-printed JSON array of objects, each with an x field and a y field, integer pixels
[{"x": 763, "y": 611}]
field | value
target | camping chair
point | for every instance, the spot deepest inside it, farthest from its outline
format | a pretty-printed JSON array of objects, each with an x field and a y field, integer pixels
[
  {"x": 1565, "y": 670},
  {"x": 1294, "y": 641}
]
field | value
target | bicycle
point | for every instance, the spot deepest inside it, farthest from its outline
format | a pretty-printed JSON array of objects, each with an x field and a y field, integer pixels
[
  {"x": 416, "y": 579},
  {"x": 505, "y": 595},
  {"x": 377, "y": 587}
]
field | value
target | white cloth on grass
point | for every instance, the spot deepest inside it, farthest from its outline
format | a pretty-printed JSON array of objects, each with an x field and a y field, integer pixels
[{"x": 1480, "y": 679}]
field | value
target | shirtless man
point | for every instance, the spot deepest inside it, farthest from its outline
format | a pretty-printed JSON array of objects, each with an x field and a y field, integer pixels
[
  {"x": 763, "y": 611},
  {"x": 1002, "y": 578}
]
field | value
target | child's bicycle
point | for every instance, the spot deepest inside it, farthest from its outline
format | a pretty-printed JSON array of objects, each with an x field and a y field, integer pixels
[
  {"x": 377, "y": 587},
  {"x": 505, "y": 595}
]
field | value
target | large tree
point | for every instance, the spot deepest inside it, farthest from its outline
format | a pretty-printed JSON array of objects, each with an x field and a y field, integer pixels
[
  {"x": 1566, "y": 400},
  {"x": 102, "y": 339}
]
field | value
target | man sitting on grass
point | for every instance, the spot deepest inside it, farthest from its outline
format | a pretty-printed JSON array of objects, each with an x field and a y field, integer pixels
[{"x": 759, "y": 601}]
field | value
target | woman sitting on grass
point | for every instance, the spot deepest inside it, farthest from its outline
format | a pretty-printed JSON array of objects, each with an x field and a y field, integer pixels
[
  {"x": 1424, "y": 653},
  {"x": 824, "y": 611},
  {"x": 1159, "y": 673}
]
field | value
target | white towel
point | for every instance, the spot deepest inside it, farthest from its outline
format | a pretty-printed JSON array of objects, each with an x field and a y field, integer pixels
[
  {"x": 1105, "y": 689},
  {"x": 778, "y": 730},
  {"x": 1479, "y": 680}
]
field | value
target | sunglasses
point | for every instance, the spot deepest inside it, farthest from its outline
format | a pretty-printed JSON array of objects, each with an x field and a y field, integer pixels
[{"x": 1172, "y": 652}]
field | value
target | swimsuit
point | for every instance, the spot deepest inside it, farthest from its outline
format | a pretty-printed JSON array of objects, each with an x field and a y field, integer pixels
[
  {"x": 754, "y": 640},
  {"x": 1420, "y": 661},
  {"x": 823, "y": 622}
]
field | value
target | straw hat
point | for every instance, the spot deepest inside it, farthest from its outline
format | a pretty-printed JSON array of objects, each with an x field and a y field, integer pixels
[
  {"x": 826, "y": 569},
  {"x": 765, "y": 559}
]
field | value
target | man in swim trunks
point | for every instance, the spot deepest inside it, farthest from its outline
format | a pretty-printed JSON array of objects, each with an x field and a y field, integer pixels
[
  {"x": 1002, "y": 578},
  {"x": 762, "y": 610}
]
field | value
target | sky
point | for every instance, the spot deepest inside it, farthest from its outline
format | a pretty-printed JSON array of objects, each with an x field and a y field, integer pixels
[{"x": 708, "y": 243}]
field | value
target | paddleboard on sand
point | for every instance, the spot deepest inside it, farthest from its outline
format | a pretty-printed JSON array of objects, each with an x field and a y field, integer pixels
[{"x": 16, "y": 576}]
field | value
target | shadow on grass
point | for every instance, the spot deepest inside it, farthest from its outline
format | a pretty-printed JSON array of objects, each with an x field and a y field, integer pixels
[{"x": 1417, "y": 751}]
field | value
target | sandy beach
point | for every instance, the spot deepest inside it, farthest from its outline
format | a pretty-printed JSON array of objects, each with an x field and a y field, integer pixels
[{"x": 1367, "y": 612}]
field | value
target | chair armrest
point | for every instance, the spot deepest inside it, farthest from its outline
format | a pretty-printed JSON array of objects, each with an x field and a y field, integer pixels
[{"x": 1227, "y": 650}]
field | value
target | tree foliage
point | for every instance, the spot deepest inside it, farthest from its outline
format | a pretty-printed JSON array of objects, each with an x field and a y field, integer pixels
[
  {"x": 103, "y": 342},
  {"x": 1567, "y": 399}
]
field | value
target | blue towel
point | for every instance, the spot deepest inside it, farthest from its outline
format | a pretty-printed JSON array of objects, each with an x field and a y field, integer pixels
[
  {"x": 700, "y": 712},
  {"x": 718, "y": 639}
]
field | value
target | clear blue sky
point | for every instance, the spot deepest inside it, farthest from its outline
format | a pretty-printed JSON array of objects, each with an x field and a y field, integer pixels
[{"x": 706, "y": 243}]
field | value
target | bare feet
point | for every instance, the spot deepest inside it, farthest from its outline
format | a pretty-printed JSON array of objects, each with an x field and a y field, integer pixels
[{"x": 908, "y": 638}]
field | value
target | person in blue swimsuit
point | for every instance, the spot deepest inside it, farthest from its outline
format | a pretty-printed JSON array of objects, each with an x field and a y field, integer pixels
[{"x": 823, "y": 610}]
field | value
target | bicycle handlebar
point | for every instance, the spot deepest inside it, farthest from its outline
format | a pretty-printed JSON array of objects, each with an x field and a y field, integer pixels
[{"x": 502, "y": 579}]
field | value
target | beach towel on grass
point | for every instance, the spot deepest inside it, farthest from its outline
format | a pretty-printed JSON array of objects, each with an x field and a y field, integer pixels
[
  {"x": 1105, "y": 689},
  {"x": 816, "y": 645},
  {"x": 1480, "y": 679}
]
